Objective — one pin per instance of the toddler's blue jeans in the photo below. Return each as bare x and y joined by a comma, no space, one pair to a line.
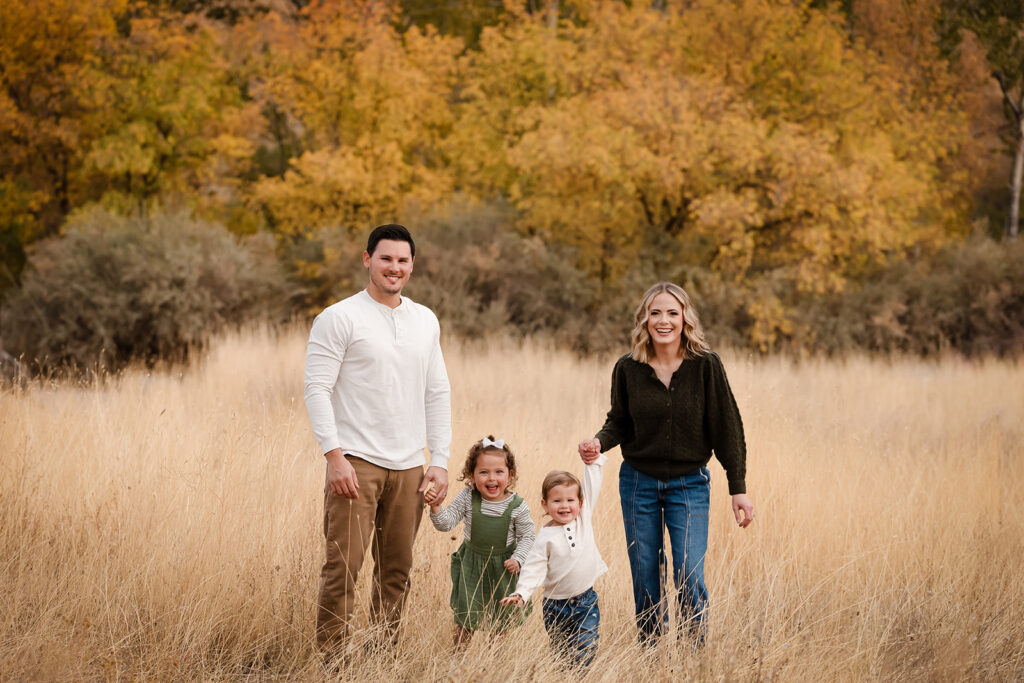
572,626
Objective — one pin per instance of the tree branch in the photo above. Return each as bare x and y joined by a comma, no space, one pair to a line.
1014,106
646,208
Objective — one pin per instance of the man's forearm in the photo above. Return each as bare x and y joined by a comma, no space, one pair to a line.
321,418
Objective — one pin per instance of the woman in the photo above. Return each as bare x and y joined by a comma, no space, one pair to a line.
671,406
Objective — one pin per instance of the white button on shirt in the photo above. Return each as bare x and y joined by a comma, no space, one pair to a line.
565,559
376,384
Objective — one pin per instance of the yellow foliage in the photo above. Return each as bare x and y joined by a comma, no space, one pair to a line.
167,116
767,140
347,186
372,107
754,127
44,45
769,322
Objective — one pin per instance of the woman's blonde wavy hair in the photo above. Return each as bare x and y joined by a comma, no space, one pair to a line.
693,334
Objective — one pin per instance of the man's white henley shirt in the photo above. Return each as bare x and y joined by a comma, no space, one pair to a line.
376,384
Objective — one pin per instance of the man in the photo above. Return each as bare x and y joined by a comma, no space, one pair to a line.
376,392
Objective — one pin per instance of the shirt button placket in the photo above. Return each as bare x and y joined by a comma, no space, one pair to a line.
397,319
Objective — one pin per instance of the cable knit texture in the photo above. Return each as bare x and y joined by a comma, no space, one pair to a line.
667,432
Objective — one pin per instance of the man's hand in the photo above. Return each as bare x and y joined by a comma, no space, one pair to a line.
590,450
740,502
516,600
341,476
512,566
438,476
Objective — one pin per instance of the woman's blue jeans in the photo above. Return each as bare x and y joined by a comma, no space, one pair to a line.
649,507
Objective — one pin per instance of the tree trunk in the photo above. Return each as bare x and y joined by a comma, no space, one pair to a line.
1013,221
553,14
1016,106
552,29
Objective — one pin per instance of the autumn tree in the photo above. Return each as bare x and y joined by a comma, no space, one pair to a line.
522,64
169,119
111,102
999,26
734,77
372,107
44,49
463,19
230,11
947,101
750,137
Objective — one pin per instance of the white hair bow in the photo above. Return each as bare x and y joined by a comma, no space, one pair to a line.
497,443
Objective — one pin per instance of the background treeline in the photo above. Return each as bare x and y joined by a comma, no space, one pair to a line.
823,176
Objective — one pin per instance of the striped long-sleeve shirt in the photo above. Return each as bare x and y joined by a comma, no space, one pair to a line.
520,528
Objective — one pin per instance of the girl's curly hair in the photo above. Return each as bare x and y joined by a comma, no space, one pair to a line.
477,449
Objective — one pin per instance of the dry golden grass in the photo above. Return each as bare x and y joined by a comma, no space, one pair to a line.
167,526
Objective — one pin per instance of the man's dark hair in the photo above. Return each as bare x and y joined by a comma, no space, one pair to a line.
391,231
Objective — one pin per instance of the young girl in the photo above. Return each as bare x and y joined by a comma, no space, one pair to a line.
565,560
498,537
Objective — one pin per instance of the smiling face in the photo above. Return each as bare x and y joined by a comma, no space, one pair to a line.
563,503
389,266
665,321
490,476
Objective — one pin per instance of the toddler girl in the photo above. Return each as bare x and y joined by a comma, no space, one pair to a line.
498,537
565,560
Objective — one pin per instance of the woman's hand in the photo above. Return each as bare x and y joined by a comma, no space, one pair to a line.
512,566
740,502
516,600
590,451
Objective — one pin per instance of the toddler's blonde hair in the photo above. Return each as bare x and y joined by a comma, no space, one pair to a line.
560,478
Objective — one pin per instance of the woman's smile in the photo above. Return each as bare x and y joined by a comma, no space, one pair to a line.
665,319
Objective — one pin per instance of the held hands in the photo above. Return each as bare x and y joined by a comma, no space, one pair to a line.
740,502
590,451
341,476
342,479
512,566
434,487
516,600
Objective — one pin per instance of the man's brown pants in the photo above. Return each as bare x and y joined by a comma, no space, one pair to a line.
389,509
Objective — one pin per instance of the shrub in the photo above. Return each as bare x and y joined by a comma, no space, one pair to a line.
967,298
482,276
114,290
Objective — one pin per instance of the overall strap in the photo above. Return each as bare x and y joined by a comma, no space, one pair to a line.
490,534
475,505
517,500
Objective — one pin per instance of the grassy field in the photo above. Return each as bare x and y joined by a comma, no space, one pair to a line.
167,525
